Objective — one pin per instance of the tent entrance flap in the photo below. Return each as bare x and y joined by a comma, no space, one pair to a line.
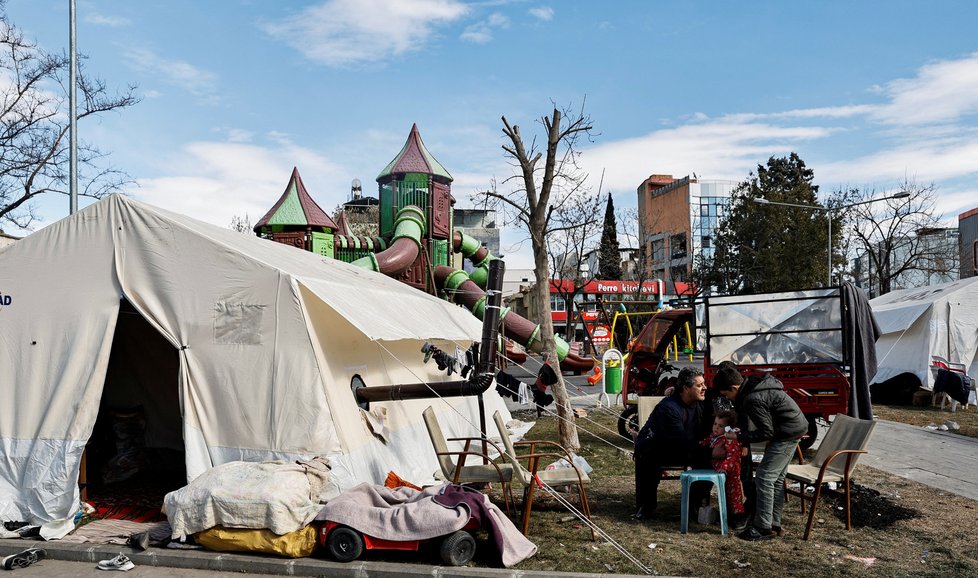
136,449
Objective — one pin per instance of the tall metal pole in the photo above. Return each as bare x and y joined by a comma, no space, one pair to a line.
72,115
828,213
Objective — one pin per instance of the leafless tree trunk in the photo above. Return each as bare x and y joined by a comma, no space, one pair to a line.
536,194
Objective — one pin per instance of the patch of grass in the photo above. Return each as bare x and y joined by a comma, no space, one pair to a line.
901,528
922,416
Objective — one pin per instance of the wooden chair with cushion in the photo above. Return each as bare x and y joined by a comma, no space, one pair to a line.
460,473
833,462
533,473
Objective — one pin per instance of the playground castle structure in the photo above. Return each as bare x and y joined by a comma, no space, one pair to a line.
416,243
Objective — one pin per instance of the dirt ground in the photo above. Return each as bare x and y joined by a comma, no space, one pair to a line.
900,527
967,419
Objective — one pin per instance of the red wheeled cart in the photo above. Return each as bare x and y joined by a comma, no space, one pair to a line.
346,544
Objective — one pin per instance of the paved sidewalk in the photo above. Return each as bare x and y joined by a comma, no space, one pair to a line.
938,459
223,564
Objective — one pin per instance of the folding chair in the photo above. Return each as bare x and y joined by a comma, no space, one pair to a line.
458,472
833,462
530,477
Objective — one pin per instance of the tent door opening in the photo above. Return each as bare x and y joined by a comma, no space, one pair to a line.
136,452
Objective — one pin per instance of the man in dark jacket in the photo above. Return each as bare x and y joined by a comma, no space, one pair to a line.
768,415
670,438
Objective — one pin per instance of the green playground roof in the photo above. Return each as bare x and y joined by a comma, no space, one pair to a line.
296,208
414,158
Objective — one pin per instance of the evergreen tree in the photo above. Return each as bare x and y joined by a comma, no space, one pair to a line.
609,255
764,247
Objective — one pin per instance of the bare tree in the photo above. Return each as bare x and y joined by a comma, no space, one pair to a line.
362,220
891,233
34,125
241,224
536,194
573,237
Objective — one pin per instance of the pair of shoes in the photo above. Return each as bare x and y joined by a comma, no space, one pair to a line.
139,541
754,534
738,523
22,559
120,562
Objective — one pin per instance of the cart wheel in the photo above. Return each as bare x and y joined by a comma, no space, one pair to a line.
345,544
806,442
628,425
458,548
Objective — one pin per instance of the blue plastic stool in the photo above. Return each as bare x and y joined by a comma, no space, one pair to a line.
719,480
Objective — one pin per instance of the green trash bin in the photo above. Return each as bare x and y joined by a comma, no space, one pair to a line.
612,378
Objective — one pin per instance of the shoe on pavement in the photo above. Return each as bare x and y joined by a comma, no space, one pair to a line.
754,534
120,562
22,559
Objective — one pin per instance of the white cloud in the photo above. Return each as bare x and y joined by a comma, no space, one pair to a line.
722,149
345,32
941,92
237,135
481,32
545,13
497,20
929,159
477,33
835,112
110,21
196,81
215,181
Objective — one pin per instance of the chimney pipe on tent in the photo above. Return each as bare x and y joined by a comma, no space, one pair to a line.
481,376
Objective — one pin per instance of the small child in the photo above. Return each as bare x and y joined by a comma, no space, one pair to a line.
726,456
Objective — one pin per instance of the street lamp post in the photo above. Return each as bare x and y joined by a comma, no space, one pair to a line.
828,214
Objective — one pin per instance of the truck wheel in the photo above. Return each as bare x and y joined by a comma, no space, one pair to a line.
806,443
628,425
345,544
458,548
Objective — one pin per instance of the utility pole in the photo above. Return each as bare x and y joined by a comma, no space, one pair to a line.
73,116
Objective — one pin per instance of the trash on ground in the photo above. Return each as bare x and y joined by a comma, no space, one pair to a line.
740,564
867,562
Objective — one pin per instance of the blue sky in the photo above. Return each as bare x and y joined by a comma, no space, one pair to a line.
236,93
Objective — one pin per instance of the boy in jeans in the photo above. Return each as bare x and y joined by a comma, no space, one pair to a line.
769,415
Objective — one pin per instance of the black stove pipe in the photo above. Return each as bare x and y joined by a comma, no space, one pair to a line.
481,377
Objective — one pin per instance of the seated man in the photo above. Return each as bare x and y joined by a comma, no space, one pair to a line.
670,438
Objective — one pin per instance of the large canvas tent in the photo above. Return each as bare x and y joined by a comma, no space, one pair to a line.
919,324
236,348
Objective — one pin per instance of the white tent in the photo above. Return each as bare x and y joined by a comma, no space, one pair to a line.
236,348
919,324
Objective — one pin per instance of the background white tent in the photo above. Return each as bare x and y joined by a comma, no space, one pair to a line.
918,324
237,348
